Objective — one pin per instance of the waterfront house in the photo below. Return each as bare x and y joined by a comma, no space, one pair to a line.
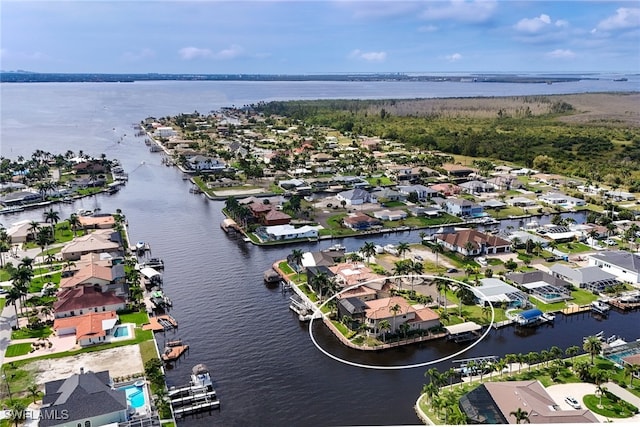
542,285
472,242
275,217
622,264
591,278
84,299
20,197
363,293
388,195
96,221
357,196
287,232
360,221
85,399
521,202
559,199
205,163
463,208
110,278
325,257
496,292
428,211
22,231
397,311
89,329
493,403
106,240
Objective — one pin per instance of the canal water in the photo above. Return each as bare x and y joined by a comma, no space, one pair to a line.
264,365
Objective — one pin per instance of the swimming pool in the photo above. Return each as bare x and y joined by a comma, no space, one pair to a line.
121,331
136,396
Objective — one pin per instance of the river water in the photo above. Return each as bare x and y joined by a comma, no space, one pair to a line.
265,368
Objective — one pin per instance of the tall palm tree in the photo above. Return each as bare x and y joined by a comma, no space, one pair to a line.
34,390
403,248
53,217
368,250
572,352
600,391
14,296
74,223
296,259
593,346
520,415
395,309
443,286
437,249
431,390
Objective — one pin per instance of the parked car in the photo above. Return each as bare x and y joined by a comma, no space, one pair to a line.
571,401
452,270
610,242
418,257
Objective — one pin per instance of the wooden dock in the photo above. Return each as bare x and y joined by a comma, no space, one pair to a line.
575,309
173,353
621,305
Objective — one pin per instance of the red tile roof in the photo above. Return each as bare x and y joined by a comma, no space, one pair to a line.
84,297
87,325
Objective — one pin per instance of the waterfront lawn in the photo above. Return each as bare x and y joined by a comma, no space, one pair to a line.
580,297
286,269
308,292
344,330
18,349
138,317
611,406
37,283
148,351
336,228
24,333
377,181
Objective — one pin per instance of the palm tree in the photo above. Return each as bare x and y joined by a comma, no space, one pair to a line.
17,411
600,391
572,352
13,296
532,358
34,390
593,346
431,390
368,250
510,359
403,248
53,217
520,415
443,286
437,249
395,309
630,369
74,223
384,327
296,259
465,296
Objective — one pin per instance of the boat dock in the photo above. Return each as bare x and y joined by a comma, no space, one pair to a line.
194,409
575,309
160,323
173,352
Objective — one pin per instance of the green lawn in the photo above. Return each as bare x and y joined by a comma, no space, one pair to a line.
2,303
286,269
148,351
380,180
580,297
139,318
18,349
23,333
609,406
573,247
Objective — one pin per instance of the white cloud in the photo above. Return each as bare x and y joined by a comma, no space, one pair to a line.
461,10
368,56
190,53
562,23
533,25
624,18
561,54
454,57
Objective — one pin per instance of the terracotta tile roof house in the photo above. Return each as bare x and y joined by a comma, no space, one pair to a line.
106,240
87,399
109,278
492,403
83,299
363,293
275,217
349,274
481,243
446,189
89,329
381,309
102,221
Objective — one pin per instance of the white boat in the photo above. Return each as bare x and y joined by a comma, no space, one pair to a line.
200,377
140,245
550,317
600,307
156,263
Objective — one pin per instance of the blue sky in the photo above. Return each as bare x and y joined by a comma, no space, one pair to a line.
330,36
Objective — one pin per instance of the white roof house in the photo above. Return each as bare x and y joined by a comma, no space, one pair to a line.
622,264
496,291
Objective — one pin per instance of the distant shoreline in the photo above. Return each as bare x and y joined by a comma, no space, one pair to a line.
33,77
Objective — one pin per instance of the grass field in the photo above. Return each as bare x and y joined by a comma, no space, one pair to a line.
18,349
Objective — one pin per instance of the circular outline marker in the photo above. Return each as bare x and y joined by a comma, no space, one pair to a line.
318,310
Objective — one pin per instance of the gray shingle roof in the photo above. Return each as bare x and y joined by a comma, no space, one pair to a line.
622,259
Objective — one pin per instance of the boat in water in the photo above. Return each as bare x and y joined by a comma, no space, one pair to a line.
200,377
600,307
156,263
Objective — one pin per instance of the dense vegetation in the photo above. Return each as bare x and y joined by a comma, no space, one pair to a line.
508,131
